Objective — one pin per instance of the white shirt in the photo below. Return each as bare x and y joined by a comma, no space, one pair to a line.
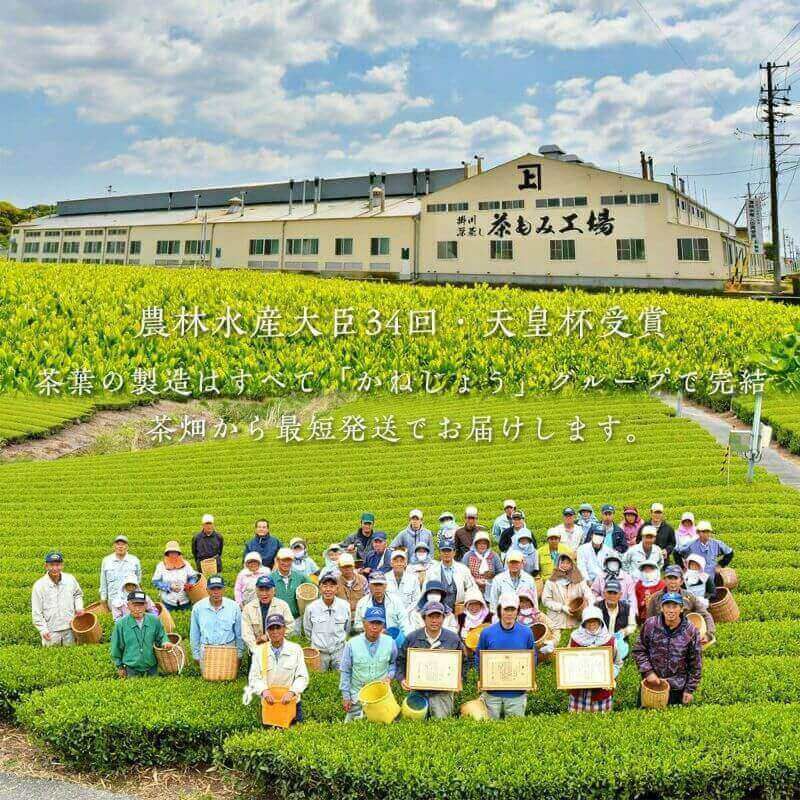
53,605
407,589
288,669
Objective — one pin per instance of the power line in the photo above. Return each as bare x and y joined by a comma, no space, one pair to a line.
788,47
791,31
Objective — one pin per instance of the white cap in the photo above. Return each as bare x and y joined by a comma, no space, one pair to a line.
553,533
704,525
131,579
297,540
649,530
395,554
514,555
208,518
481,535
687,515
253,556
591,612
470,511
445,515
285,552
657,507
508,600
346,560
507,503
415,512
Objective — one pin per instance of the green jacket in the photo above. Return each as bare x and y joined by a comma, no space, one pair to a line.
132,646
287,594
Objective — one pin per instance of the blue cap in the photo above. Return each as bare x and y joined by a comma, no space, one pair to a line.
447,544
433,608
672,597
673,571
375,614
607,507
216,582
613,585
276,621
379,536
137,597
53,555
568,511
265,582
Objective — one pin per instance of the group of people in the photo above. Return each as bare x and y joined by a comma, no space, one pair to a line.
378,597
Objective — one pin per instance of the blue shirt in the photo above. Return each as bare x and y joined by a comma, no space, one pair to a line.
222,626
711,551
496,637
346,665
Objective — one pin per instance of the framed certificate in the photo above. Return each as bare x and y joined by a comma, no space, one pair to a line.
584,668
434,670
507,670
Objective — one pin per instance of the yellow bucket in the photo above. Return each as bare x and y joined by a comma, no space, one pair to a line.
471,639
415,706
378,702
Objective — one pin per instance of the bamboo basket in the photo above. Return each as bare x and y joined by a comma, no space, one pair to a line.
723,607
172,661
278,715
576,606
208,566
712,640
313,659
730,580
475,709
543,633
86,628
100,607
655,698
197,591
220,663
166,618
305,594
699,623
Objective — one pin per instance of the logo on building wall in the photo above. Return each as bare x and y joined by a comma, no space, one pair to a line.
531,176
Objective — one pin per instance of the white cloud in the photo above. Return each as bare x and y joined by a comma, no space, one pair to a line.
393,74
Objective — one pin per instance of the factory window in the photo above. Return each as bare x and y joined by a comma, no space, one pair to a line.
630,250
72,233
446,250
264,247
31,247
436,207
379,246
489,205
614,200
693,250
513,204
302,247
548,202
50,247
167,247
501,249
458,206
343,247
95,232
136,248
562,249
71,247
640,199
115,247
568,202
12,246
117,231
51,234
32,234
92,247
196,247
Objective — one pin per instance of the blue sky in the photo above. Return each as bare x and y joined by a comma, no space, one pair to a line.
147,96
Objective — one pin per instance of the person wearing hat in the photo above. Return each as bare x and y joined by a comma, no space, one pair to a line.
686,533
351,585
510,536
614,535
483,563
645,550
593,553
380,558
673,580
370,656
286,582
512,579
326,622
592,632
433,592
586,520
455,577
503,523
669,648
171,575
278,662
618,614
631,525
564,586
466,533
401,582
303,563
413,534
421,559
394,613
332,559
523,542
244,590
447,529
433,636
255,613
359,544
550,551
216,620
56,599
207,543
115,568
715,552
697,581
134,637
650,582
571,533
476,612
665,534
612,569
505,634
263,543
119,605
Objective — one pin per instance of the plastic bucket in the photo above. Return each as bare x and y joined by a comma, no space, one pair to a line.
197,591
378,702
415,706
475,709
306,593
655,697
277,714
86,628
471,639
166,618
172,661
723,607
313,659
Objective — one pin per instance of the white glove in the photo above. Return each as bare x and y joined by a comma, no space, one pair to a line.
248,694
547,648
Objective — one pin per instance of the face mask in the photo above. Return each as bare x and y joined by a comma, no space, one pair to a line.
299,552
650,579
692,576
434,597
597,539
612,568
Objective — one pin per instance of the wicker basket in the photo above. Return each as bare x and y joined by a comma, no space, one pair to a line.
208,566
699,623
306,593
576,606
172,661
730,580
197,591
723,607
100,607
220,663
313,659
655,698
166,618
543,634
86,628
475,709
712,640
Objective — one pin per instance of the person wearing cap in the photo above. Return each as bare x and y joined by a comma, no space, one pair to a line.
380,558
512,579
421,559
697,581
455,577
612,569
550,551
466,533
645,550
673,579
618,614
586,519
115,568
394,613
286,582
564,586
483,563
505,634
56,599
669,648
207,543
447,529
216,620
134,637
401,582
351,585
510,536
665,534
413,534
170,577
359,544
650,582
255,613
592,554
503,522
263,543
592,632
685,533
433,636
303,563
332,559
523,542
631,525
244,590
370,656
571,533
326,622
278,662
432,592
614,535
715,552
119,605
